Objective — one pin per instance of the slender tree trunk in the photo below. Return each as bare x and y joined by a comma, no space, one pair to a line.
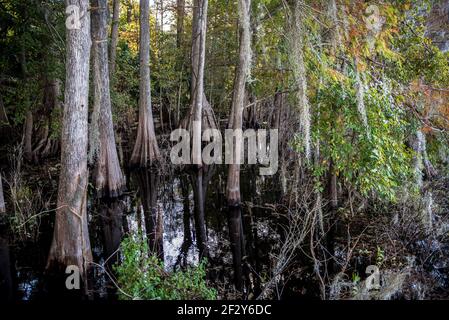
71,245
180,10
28,130
129,11
114,36
146,150
296,44
236,122
109,179
233,184
2,197
201,113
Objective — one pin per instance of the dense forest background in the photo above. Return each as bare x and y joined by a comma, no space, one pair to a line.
91,91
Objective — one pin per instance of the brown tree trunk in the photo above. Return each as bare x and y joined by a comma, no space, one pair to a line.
71,245
200,112
146,150
180,13
2,197
114,36
235,118
109,179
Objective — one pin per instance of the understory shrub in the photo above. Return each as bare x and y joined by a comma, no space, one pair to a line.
141,276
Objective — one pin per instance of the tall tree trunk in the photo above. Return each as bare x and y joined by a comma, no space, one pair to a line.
146,150
235,119
114,36
296,45
235,122
109,179
28,129
180,13
71,245
201,113
2,198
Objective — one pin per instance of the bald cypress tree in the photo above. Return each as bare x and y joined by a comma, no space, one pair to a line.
71,245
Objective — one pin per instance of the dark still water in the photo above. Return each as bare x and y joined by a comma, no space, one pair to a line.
166,209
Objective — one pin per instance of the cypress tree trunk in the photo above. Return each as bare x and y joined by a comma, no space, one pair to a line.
146,150
108,177
200,112
235,119
180,12
235,122
71,245
114,36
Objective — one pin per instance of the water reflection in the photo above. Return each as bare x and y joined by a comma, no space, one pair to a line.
6,280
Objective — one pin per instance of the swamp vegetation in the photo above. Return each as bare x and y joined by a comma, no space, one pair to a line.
354,93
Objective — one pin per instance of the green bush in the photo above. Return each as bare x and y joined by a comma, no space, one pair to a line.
141,275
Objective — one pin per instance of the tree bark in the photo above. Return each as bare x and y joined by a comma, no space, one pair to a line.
180,13
146,150
296,45
236,117
108,177
71,245
200,112
114,36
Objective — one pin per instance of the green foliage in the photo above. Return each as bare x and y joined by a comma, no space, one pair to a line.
141,275
373,158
